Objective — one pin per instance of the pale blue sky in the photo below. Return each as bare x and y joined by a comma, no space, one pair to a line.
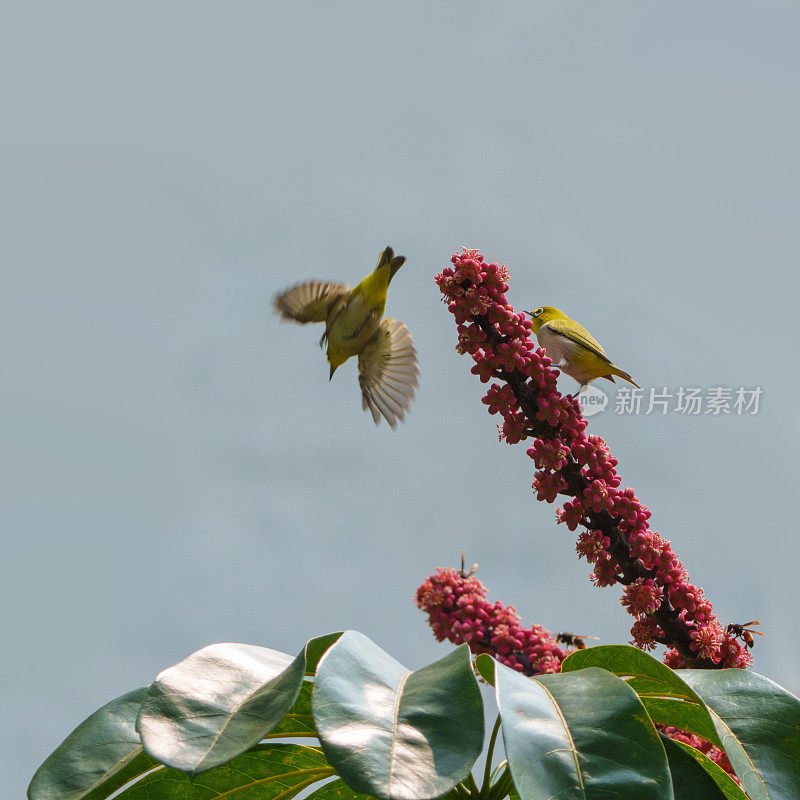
177,468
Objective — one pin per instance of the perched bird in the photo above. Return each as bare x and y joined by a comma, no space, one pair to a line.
572,349
355,326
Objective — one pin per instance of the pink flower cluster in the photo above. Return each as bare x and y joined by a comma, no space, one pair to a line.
458,611
617,539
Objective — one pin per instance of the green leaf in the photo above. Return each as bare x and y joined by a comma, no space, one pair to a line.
582,734
217,703
336,790
696,777
140,764
646,675
266,772
298,720
394,733
684,715
666,696
759,725
103,753
484,663
317,647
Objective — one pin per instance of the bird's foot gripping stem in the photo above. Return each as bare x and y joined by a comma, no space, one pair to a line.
574,395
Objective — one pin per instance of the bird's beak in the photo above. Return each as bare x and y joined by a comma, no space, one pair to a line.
529,313
333,369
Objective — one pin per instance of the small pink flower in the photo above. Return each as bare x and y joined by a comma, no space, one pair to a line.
549,409
468,266
470,338
733,653
685,596
673,659
549,454
642,596
605,571
592,544
511,354
706,641
500,398
548,485
646,634
484,367
571,514
513,429
596,494
476,301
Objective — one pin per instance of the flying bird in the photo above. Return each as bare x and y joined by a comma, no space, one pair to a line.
355,326
572,349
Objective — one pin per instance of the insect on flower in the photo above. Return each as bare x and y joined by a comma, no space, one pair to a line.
744,631
575,640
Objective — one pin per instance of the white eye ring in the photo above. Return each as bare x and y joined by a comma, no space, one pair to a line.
537,312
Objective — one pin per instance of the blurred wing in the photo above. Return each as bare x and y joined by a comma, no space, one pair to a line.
310,301
387,372
571,330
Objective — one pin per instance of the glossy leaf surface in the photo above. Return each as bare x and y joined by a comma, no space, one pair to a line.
582,735
394,733
697,777
217,703
666,696
759,725
98,757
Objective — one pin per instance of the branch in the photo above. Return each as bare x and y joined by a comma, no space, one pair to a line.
617,540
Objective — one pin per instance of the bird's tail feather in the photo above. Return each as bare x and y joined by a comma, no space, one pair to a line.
390,260
620,373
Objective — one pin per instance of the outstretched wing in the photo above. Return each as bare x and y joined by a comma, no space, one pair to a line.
575,332
387,372
310,301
